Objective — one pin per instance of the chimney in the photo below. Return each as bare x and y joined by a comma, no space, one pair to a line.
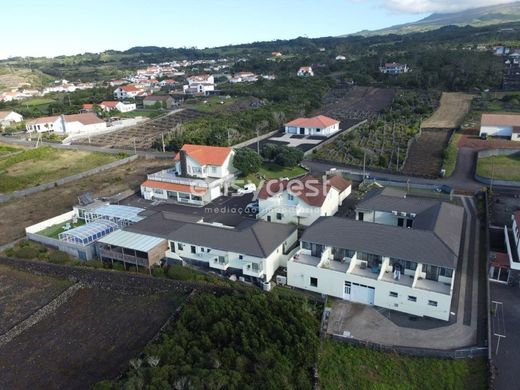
184,165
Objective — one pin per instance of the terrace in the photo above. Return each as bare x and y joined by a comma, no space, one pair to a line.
433,285
55,230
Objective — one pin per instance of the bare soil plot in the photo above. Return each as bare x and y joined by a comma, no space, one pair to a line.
453,108
20,213
22,293
426,153
89,338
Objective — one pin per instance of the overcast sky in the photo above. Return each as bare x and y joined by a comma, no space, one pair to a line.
55,27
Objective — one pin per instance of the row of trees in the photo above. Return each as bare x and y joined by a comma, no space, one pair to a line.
247,161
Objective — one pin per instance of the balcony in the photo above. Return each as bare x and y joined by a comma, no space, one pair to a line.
119,256
219,263
303,258
361,269
170,176
432,285
253,269
339,266
404,280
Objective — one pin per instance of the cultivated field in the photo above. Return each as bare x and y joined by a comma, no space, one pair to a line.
89,338
453,108
144,135
31,167
18,214
22,293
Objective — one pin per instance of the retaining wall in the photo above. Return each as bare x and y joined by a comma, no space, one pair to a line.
497,152
254,140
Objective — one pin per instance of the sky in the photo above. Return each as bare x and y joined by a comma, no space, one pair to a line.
56,27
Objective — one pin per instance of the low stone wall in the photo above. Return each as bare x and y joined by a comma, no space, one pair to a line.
64,180
254,140
333,137
497,152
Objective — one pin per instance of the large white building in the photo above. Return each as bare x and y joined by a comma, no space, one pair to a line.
7,118
67,124
302,200
383,259
320,125
199,84
501,125
199,176
130,91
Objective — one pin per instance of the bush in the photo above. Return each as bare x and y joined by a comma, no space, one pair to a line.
247,161
59,257
26,253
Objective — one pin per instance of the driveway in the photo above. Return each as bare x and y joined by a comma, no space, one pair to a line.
382,326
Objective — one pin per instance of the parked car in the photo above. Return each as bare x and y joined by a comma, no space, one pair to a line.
251,208
247,189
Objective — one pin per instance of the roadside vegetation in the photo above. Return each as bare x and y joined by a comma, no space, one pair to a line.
450,154
343,366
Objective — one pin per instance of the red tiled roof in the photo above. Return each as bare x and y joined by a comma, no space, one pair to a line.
88,106
320,121
504,119
313,191
130,88
109,103
88,118
174,187
305,69
206,155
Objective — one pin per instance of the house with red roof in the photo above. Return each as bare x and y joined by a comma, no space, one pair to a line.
67,124
200,174
501,125
302,200
321,126
129,91
305,71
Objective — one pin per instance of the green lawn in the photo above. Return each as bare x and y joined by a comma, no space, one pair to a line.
213,104
342,366
37,166
37,102
500,167
54,230
450,154
7,149
273,171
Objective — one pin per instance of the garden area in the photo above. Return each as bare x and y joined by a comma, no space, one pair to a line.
32,167
506,167
343,366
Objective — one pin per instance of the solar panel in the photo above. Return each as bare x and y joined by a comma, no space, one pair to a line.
85,199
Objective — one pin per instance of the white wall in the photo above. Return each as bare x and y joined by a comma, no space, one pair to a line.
502,131
326,131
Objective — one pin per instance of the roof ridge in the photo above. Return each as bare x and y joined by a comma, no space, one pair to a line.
258,240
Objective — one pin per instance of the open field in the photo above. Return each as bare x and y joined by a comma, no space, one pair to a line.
273,171
19,213
45,164
8,149
342,366
90,337
14,77
500,167
22,293
453,108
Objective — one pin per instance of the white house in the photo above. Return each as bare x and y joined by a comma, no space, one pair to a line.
340,58
253,249
511,261
200,175
305,71
394,68
130,91
110,105
68,124
199,84
302,201
316,126
7,118
501,125
407,267
243,77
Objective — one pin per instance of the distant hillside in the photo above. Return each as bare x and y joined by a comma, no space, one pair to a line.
477,17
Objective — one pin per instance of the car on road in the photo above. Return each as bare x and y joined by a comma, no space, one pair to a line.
247,189
251,208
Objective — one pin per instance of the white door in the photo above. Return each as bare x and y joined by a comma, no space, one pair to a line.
346,290
362,294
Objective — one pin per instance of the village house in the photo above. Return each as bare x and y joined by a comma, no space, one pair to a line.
302,201
130,91
340,58
165,101
501,125
200,175
503,266
7,118
394,68
199,85
320,125
67,124
305,71
243,77
382,259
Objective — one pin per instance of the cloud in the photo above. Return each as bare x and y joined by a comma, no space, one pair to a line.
441,6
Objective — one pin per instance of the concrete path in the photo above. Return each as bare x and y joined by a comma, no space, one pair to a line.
368,323
295,142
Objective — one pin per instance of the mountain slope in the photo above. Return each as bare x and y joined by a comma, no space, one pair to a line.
478,17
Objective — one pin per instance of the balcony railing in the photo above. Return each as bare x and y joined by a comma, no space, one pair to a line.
115,255
169,176
253,269
219,263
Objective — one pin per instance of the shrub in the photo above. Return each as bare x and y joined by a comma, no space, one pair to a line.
247,161
26,253
59,257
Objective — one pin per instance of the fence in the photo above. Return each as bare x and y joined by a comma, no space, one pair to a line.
497,152
256,139
65,180
116,125
333,138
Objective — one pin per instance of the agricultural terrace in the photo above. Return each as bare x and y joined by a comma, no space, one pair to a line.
453,108
505,167
23,293
383,141
491,102
32,167
342,366
214,104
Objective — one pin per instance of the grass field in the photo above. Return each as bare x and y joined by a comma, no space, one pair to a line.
342,366
8,149
273,171
37,102
213,104
37,166
54,230
500,167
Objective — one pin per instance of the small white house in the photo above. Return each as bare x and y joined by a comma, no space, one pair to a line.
501,125
199,84
243,77
302,201
305,71
67,124
7,118
130,91
111,105
320,125
340,58
394,68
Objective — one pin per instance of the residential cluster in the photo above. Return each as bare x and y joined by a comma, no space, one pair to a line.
57,86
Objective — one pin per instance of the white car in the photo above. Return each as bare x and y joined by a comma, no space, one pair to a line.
247,189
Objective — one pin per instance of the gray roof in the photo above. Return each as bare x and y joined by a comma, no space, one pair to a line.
130,240
251,237
424,246
390,199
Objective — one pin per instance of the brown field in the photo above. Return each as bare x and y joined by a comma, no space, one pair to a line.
470,139
20,213
89,338
453,107
22,293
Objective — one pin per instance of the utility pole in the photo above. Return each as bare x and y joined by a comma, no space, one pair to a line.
364,163
135,148
398,159
492,174
163,146
257,142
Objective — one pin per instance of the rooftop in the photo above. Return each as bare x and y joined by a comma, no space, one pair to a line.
320,122
206,155
503,119
130,240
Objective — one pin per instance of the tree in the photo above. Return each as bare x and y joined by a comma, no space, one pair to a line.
247,161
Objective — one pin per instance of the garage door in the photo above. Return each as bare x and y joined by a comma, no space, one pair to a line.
362,294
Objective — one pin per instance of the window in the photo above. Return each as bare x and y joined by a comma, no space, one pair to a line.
180,246
193,249
314,282
172,247
241,257
400,222
290,196
158,191
279,216
446,272
411,298
393,294
306,245
318,130
347,288
196,197
432,303
411,265
361,215
409,223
